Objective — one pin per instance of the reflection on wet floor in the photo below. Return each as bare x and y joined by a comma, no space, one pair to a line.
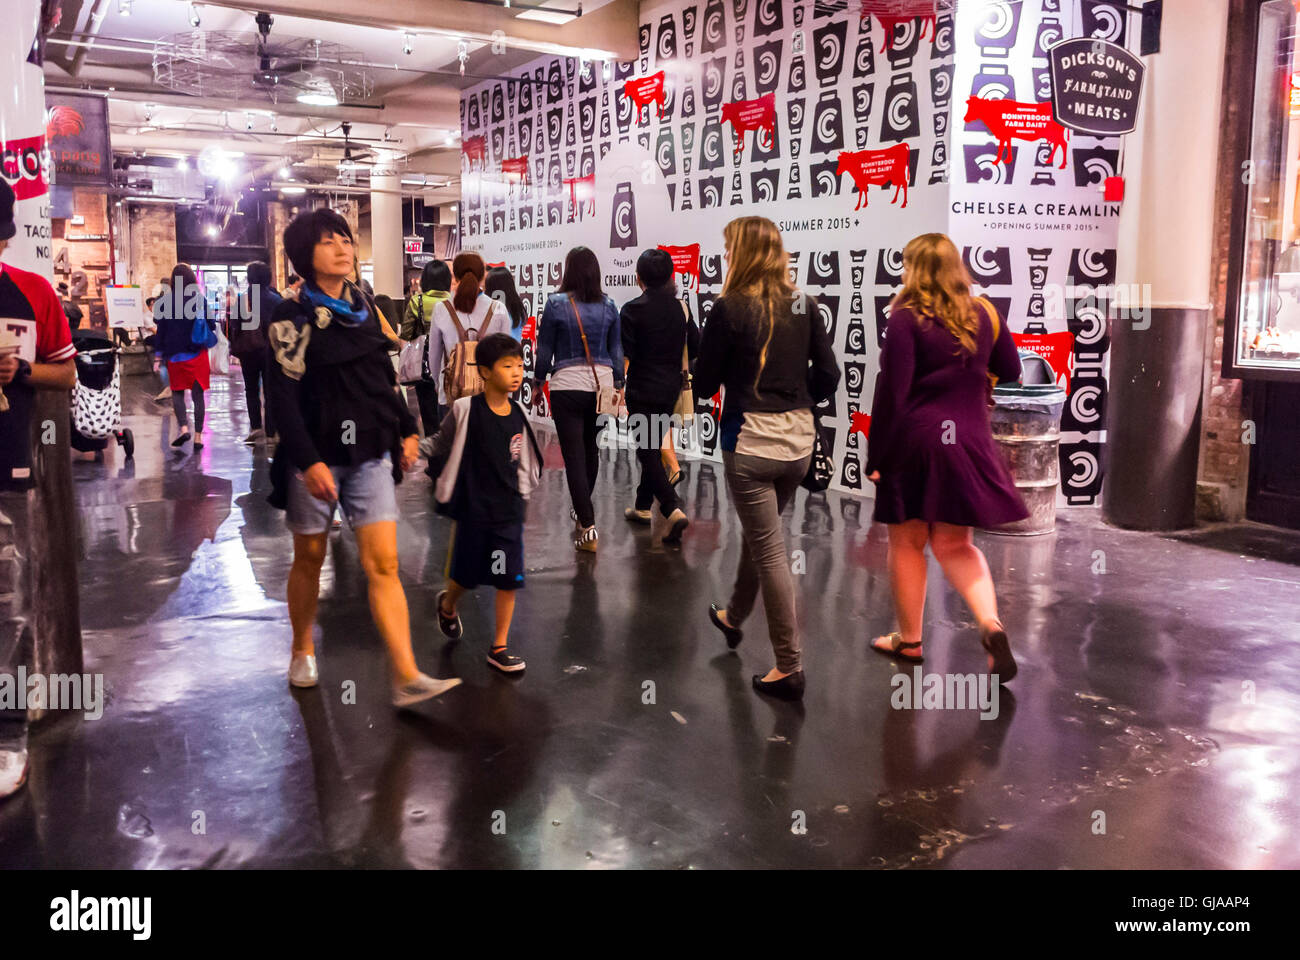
1159,693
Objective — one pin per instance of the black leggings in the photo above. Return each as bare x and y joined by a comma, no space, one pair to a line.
654,481
178,406
253,378
574,413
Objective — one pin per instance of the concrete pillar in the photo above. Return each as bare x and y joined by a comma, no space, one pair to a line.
22,130
1165,248
39,546
386,232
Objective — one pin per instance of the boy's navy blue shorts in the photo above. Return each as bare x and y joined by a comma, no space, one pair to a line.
487,554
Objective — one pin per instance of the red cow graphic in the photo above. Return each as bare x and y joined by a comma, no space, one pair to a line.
757,114
63,121
475,151
890,13
859,422
644,91
515,170
867,167
1009,120
1056,348
586,186
685,260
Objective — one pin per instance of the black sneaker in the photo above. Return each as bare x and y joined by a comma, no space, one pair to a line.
505,661
450,626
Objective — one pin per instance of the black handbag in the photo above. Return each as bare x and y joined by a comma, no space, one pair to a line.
821,468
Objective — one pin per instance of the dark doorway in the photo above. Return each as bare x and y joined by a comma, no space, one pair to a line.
1274,492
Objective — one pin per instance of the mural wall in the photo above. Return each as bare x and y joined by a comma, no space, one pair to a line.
836,125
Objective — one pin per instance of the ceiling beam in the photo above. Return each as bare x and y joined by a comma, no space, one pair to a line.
612,28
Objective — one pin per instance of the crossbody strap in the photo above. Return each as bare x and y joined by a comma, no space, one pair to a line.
461,336
686,342
585,349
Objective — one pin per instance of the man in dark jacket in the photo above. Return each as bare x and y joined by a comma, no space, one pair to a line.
249,345
655,329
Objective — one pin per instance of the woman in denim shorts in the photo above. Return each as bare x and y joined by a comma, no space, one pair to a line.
345,438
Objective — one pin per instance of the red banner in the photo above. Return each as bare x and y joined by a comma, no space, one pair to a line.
1056,348
644,91
685,260
880,167
758,114
1009,120
22,163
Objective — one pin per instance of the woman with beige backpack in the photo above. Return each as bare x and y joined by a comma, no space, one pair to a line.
456,325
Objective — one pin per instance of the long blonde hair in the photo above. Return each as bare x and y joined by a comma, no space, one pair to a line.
937,285
758,269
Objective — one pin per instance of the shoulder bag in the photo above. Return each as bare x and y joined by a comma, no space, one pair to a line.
821,467
410,362
607,401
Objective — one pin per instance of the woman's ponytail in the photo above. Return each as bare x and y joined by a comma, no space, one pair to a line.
468,269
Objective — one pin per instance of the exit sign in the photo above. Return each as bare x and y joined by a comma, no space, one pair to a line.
414,244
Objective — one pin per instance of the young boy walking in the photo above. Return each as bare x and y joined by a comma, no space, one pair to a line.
487,462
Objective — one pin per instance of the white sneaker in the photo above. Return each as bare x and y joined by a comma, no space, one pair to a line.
13,771
302,670
423,687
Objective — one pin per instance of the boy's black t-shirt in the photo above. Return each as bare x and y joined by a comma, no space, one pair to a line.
488,490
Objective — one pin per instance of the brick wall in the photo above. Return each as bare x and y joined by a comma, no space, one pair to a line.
152,243
87,256
1224,459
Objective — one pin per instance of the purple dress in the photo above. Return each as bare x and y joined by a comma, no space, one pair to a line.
930,436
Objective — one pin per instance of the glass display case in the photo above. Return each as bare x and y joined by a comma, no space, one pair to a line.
1262,332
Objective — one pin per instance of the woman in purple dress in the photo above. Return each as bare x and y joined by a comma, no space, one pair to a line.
931,453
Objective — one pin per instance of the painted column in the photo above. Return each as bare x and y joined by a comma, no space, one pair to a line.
1164,254
386,230
24,160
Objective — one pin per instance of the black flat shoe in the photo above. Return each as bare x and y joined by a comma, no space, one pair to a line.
181,440
733,634
999,648
787,688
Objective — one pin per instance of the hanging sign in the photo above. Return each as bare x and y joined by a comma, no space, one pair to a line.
414,244
1096,86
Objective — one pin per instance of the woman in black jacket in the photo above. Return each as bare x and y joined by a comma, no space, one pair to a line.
655,331
765,342
345,439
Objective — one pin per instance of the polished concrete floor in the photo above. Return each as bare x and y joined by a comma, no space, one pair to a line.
1159,695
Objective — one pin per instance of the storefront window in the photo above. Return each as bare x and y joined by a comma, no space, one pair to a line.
1267,335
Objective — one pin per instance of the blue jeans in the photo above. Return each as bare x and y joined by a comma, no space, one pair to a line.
366,495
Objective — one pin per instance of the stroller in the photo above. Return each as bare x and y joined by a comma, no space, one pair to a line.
97,396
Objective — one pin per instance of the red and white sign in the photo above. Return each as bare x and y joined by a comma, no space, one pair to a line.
643,91
1009,120
1056,348
890,13
879,167
474,150
685,260
414,244
758,114
582,191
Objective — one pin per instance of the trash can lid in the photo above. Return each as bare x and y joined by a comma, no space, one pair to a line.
1031,394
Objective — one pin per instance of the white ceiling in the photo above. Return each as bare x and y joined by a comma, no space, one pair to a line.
412,115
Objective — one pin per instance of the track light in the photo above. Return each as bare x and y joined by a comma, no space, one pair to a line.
284,173
194,16
124,7
408,44
248,121
462,54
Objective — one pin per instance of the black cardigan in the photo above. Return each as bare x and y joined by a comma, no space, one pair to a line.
654,329
334,393
800,370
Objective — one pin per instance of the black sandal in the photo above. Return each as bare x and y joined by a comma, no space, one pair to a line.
897,646
182,439
450,626
995,643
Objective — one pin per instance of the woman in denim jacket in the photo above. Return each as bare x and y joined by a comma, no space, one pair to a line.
561,356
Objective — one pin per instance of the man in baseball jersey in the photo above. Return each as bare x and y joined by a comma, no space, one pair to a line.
35,354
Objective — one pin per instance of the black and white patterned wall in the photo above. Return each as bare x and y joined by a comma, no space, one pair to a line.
805,112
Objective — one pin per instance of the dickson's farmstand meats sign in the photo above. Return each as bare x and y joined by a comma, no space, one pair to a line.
1096,86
